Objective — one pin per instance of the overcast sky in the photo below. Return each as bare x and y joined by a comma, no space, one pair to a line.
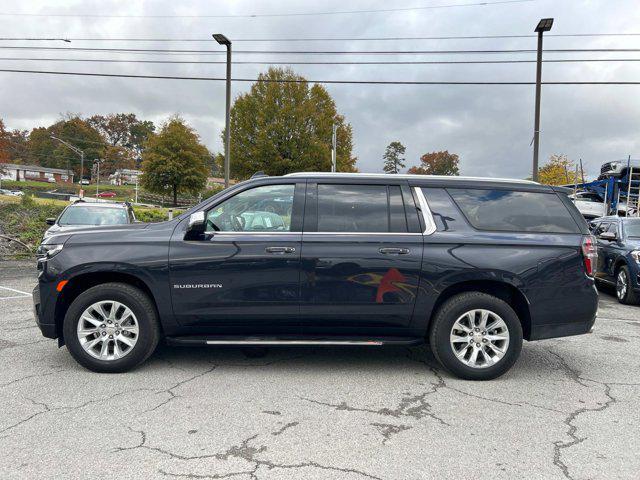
490,127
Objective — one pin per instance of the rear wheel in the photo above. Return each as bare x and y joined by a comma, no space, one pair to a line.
111,328
624,287
476,336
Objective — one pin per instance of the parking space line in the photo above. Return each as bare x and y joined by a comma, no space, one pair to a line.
14,290
17,296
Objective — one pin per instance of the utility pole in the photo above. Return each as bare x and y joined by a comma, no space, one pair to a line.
222,40
543,26
334,146
136,190
97,162
582,171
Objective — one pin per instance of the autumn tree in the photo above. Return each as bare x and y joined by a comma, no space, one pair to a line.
437,163
284,124
126,133
559,170
394,157
44,150
173,161
5,145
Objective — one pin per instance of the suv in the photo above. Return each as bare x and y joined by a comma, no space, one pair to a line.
618,168
81,214
472,266
619,256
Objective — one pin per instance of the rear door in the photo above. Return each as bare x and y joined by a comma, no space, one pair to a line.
361,255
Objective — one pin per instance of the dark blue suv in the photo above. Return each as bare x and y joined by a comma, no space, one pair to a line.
619,255
471,266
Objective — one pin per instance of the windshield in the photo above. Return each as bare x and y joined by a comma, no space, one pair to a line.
633,228
92,215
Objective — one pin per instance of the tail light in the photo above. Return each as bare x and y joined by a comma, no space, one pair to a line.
590,254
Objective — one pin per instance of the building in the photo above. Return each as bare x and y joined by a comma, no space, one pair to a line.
125,176
22,173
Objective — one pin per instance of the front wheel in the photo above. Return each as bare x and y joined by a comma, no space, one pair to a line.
476,336
111,328
624,287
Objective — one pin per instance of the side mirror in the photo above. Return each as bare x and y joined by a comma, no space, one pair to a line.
196,226
609,236
50,221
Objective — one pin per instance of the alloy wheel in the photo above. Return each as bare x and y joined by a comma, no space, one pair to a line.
108,330
622,284
479,338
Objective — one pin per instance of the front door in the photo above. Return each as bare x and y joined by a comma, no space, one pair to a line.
361,256
245,270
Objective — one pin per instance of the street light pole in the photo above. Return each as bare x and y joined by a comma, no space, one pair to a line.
75,150
543,26
334,146
222,40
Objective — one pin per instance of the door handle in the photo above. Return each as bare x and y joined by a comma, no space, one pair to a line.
280,250
393,251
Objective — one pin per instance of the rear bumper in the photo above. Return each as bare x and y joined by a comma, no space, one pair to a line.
540,332
48,329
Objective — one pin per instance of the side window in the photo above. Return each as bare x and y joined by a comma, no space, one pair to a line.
602,228
397,215
360,208
262,209
613,227
512,210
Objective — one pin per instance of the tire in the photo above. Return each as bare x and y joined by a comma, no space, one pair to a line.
627,296
488,365
141,329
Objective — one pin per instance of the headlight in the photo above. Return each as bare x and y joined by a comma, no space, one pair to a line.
48,251
636,255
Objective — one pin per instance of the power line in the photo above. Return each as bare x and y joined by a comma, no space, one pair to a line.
267,15
392,62
352,82
314,39
325,52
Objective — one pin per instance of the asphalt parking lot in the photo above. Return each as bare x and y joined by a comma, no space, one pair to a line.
568,409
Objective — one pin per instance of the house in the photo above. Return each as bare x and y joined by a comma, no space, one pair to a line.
22,173
125,176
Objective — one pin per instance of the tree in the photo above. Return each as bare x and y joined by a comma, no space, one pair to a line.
5,145
123,130
393,157
559,170
437,163
174,161
45,151
282,127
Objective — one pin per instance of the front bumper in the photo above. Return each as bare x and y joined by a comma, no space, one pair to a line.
48,329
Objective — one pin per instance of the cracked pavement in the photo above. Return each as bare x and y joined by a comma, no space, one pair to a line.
567,410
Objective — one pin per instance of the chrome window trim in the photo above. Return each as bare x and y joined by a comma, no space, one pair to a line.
252,232
360,233
430,224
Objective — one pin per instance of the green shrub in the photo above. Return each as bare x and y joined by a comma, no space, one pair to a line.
150,215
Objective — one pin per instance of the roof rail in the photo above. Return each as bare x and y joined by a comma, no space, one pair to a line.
409,176
259,174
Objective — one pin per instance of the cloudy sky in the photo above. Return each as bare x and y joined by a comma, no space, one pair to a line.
490,127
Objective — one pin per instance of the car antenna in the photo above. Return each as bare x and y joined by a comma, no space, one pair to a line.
259,174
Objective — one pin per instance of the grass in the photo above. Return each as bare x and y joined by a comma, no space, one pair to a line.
24,219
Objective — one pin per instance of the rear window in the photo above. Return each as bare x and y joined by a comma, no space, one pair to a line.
514,211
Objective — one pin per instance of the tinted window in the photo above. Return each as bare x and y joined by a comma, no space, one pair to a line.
92,215
353,208
397,216
266,208
508,210
632,228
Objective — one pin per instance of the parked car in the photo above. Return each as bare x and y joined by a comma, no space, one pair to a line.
471,266
84,181
618,168
12,193
81,214
106,194
589,204
619,256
